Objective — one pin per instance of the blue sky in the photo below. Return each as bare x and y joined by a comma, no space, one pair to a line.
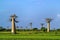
34,11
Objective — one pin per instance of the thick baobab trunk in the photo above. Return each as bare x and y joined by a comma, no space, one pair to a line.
48,20
48,27
13,26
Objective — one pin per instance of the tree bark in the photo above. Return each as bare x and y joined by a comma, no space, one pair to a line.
48,27
13,26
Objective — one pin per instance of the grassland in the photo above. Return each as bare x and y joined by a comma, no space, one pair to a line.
28,35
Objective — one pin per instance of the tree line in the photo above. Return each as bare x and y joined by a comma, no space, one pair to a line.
14,28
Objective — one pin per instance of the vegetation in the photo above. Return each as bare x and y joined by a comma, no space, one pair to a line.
43,29
25,35
35,34
29,34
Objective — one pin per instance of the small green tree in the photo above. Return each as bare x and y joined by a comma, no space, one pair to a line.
43,29
2,29
58,29
42,24
35,28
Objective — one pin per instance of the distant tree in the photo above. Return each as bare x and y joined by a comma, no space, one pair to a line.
26,27
7,27
43,29
35,28
58,29
42,24
2,29
17,27
31,26
21,27
54,29
48,20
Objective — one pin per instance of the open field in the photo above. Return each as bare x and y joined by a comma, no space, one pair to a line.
30,36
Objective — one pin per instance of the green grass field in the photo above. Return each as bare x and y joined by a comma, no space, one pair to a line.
30,36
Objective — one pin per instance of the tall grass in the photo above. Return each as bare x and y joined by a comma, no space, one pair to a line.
34,35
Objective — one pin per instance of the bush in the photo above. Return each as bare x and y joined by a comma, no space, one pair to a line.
43,29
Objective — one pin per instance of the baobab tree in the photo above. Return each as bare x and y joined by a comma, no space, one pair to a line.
48,20
42,24
42,28
26,27
13,20
7,27
31,26
21,27
17,27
